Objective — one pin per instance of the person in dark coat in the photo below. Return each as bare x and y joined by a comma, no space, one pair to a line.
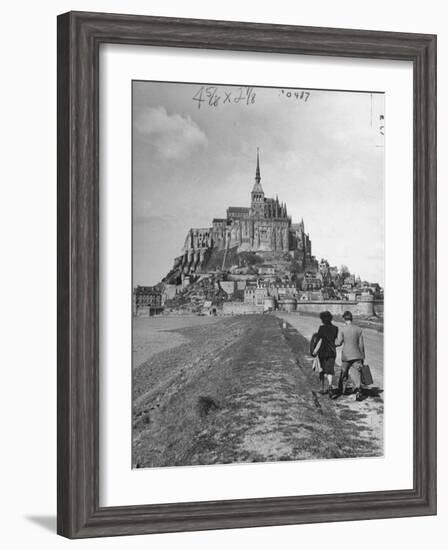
326,351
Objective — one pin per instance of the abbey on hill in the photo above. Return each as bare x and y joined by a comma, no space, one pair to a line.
263,227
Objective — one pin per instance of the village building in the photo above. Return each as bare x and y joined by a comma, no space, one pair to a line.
312,281
255,295
147,300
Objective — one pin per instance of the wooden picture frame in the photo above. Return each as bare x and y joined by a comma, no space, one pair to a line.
79,38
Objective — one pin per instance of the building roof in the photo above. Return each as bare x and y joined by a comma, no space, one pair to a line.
240,209
146,290
296,226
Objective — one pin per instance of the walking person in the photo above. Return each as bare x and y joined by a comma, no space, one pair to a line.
353,354
326,351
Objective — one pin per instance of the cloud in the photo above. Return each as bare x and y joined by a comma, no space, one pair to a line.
171,136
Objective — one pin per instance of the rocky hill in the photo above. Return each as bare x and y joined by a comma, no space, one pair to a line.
272,265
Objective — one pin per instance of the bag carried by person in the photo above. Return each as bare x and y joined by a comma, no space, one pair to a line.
313,342
366,375
316,365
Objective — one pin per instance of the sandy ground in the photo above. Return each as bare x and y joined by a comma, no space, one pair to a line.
152,335
238,389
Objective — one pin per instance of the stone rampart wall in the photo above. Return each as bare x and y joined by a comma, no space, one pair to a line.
240,308
367,308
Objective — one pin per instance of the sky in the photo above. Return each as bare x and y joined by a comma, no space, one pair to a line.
194,154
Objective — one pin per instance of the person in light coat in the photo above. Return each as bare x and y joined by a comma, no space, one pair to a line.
351,339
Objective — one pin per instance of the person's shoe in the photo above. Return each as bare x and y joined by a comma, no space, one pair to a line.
323,392
359,396
334,394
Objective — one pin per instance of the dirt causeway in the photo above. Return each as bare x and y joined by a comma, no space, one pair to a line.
238,389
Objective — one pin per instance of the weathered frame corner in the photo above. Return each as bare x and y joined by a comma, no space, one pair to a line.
80,35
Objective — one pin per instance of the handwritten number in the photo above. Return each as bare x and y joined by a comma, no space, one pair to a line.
296,94
211,96
250,96
198,97
240,97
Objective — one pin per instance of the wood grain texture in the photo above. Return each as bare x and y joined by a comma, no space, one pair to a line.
79,38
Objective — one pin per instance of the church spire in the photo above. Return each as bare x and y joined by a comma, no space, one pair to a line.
257,185
257,171
258,201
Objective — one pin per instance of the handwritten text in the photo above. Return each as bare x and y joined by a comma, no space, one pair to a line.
214,96
300,95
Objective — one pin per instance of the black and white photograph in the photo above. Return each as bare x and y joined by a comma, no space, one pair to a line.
258,274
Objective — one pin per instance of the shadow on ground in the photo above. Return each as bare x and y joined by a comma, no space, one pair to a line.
46,522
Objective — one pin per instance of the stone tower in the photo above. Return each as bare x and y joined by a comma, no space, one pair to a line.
257,203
